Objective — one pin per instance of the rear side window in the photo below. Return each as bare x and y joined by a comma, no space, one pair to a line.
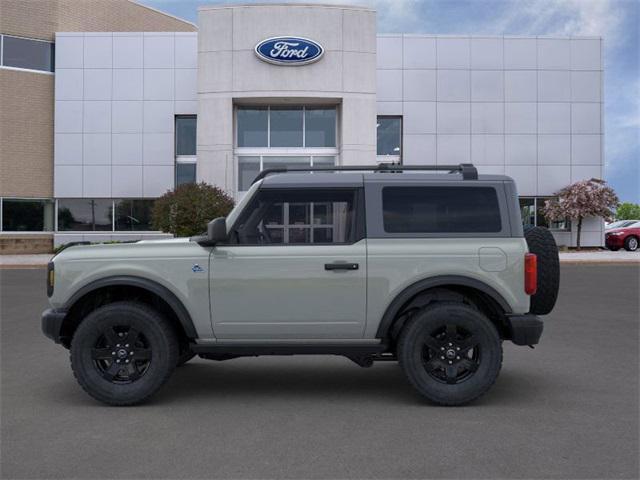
440,210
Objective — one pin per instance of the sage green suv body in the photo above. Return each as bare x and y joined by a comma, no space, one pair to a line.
336,263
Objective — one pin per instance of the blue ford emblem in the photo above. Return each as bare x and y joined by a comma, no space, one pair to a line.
289,50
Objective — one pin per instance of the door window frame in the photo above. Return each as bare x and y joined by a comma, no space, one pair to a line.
358,222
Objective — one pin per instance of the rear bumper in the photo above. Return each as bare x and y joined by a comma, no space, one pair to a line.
525,329
52,324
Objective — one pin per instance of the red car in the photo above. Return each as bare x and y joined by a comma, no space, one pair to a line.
627,237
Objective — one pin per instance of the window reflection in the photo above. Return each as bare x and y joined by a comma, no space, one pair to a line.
84,214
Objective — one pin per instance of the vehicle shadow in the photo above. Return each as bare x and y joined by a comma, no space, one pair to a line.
292,379
309,380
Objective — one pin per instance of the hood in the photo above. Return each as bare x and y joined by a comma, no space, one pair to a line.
139,249
166,240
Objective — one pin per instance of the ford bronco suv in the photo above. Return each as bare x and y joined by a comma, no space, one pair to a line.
432,270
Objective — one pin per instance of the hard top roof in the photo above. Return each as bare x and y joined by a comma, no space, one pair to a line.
356,179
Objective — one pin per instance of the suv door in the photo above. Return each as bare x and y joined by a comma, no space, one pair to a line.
294,268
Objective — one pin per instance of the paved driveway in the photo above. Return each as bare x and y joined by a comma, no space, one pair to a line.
568,409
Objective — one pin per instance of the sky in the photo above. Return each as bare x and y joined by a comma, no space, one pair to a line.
617,21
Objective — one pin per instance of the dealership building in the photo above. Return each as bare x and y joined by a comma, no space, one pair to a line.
120,103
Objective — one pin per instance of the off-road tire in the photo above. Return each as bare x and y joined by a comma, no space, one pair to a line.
159,344
411,352
541,242
630,245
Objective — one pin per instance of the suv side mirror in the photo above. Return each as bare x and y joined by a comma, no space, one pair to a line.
217,230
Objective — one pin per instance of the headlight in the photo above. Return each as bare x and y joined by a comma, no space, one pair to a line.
51,277
616,233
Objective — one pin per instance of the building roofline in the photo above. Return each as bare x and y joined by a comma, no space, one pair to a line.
480,36
136,2
286,4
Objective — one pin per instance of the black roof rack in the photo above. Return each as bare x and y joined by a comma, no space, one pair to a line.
468,171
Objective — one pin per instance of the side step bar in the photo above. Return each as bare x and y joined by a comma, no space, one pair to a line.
363,355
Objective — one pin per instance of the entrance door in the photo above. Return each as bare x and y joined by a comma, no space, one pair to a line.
295,268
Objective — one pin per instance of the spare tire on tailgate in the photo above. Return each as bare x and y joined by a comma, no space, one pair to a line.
542,243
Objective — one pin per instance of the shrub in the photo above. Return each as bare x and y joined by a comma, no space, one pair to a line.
186,210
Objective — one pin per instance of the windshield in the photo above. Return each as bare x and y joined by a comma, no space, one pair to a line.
622,224
233,215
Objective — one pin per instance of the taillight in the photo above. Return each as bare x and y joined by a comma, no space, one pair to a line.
530,273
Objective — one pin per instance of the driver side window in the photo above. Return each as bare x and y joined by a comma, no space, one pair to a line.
298,217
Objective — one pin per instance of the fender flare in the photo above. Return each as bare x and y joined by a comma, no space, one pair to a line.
443,280
151,286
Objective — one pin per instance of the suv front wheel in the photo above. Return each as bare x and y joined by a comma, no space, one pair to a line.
450,352
123,352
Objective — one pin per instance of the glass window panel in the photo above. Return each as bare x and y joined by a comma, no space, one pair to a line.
528,212
248,169
300,235
84,214
252,126
22,215
274,215
322,235
285,125
185,173
279,162
293,209
275,235
320,127
186,135
322,161
389,133
544,222
440,210
25,53
133,215
322,213
299,213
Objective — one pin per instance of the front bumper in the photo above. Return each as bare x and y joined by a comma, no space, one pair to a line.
614,241
52,324
525,329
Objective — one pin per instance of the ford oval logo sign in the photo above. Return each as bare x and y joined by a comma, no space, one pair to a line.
289,51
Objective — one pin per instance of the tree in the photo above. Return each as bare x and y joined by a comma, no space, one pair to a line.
186,210
628,211
586,198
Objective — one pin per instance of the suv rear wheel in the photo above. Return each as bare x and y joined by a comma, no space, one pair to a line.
123,352
450,352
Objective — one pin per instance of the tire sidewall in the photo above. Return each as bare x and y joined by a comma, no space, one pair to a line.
148,323
410,348
628,244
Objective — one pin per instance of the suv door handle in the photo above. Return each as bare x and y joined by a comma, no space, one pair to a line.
341,266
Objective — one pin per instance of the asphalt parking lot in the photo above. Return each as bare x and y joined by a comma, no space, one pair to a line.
568,409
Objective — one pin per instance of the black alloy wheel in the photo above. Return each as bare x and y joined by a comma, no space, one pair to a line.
451,354
122,354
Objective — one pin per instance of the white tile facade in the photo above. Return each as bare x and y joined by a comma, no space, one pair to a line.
117,95
531,103
527,107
